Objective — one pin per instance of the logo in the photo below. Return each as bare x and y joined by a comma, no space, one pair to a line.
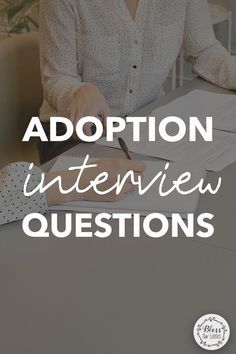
211,332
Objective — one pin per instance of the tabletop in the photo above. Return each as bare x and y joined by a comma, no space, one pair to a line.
119,296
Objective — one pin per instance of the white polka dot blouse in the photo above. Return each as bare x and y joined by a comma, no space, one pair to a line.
128,60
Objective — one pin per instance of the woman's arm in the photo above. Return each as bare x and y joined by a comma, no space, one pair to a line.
14,205
59,54
60,65
113,169
210,59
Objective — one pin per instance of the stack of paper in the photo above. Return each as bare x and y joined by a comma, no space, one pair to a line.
151,201
201,104
214,155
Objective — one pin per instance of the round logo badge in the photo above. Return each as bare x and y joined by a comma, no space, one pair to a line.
211,332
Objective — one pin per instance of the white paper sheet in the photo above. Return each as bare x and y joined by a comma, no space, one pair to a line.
201,104
145,204
214,155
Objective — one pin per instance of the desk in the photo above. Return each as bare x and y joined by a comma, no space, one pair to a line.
118,296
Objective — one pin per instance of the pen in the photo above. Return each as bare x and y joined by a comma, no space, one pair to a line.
124,148
93,129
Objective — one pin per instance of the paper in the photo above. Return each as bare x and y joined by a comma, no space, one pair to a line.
214,155
201,104
145,204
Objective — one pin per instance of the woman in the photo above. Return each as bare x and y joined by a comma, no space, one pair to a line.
102,58
14,205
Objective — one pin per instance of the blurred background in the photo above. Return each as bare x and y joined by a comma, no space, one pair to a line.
21,91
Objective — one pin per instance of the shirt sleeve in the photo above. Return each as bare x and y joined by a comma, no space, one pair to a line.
14,205
210,59
59,54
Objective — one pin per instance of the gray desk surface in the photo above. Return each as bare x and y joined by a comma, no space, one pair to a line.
118,296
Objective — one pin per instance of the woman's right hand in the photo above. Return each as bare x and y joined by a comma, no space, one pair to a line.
112,167
88,101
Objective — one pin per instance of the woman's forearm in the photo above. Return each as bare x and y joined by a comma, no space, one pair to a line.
58,54
209,58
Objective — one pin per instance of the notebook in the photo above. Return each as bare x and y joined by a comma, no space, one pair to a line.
151,202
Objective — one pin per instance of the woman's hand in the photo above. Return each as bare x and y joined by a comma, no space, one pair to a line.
88,101
112,167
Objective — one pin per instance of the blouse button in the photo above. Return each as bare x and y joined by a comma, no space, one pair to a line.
131,91
134,66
